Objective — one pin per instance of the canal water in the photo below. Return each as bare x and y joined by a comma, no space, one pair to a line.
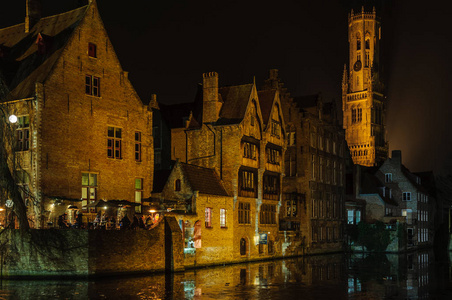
415,275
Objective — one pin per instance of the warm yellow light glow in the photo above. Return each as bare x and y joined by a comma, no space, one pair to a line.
12,119
105,207
2,209
152,211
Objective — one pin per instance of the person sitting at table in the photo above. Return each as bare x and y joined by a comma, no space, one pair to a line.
125,223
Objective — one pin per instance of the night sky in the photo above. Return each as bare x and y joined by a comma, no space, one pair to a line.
167,45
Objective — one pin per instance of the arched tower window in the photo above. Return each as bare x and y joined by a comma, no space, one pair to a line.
353,115
242,246
359,114
358,43
367,43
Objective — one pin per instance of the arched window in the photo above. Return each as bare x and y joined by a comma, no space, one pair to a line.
358,43
197,234
359,114
177,185
354,153
365,152
353,115
242,246
367,43
360,153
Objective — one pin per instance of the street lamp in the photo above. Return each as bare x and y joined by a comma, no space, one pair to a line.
12,119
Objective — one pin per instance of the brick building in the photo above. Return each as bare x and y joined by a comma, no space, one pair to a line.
363,92
196,197
314,182
239,132
83,134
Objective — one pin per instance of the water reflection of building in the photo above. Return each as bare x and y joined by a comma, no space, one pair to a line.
403,276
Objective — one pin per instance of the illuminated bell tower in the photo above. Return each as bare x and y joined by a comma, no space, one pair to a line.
363,98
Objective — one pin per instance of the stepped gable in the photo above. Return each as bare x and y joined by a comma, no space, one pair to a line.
204,180
22,64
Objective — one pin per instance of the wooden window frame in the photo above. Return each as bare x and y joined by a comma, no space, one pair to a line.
208,217
23,133
244,212
92,50
92,85
114,142
137,146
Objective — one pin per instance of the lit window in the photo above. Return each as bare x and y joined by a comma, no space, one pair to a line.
350,217
114,143
92,85
23,133
92,50
89,188
208,221
137,146
222,217
406,196
138,193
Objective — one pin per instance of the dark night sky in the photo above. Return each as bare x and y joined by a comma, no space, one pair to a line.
167,45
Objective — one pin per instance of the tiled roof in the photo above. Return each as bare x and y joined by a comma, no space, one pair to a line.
235,100
21,65
204,180
266,99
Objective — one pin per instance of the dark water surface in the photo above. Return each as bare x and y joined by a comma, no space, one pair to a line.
409,276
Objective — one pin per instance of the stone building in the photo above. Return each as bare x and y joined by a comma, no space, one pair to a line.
196,197
398,198
415,204
314,181
363,93
239,132
83,134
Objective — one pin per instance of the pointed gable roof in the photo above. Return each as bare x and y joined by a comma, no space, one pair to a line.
235,102
23,65
204,180
266,101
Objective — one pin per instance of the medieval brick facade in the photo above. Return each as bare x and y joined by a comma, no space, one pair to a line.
90,135
314,182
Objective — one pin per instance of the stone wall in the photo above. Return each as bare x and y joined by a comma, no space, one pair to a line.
72,253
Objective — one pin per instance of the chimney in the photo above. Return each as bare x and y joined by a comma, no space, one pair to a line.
397,156
33,13
211,104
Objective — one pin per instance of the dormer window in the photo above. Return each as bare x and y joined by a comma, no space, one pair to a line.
92,50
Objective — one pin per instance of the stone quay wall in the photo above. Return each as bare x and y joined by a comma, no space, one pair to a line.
90,253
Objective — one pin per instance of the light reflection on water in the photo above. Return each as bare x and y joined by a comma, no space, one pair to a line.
408,276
